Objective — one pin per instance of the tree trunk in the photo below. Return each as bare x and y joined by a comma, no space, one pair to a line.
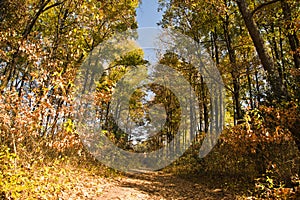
234,73
250,87
293,41
292,37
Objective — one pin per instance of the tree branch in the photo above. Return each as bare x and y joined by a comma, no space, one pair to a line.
263,5
53,5
42,9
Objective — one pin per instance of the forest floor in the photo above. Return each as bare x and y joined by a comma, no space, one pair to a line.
149,185
72,178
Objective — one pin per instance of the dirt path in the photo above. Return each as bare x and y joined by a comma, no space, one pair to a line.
158,186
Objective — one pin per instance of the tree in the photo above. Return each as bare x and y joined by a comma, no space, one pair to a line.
278,89
43,44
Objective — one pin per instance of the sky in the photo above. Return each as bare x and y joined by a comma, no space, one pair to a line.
147,14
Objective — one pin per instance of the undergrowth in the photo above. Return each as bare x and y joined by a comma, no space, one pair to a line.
45,178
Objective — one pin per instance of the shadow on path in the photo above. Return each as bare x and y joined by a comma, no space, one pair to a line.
159,185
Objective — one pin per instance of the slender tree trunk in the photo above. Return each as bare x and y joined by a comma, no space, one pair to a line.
276,53
250,87
292,37
293,41
258,95
282,58
234,72
205,107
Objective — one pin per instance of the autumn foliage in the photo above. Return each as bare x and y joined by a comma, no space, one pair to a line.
254,44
